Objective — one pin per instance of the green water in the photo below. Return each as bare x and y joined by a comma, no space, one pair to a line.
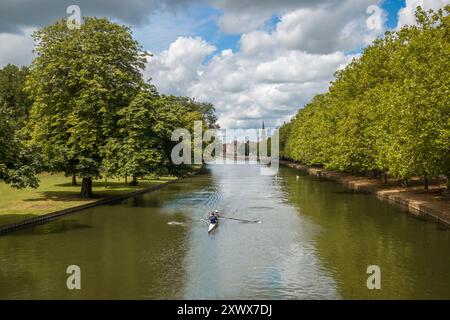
316,240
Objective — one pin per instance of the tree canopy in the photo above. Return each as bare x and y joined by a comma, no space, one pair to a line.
388,110
79,81
18,162
15,100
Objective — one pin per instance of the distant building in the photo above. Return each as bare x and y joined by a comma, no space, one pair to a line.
248,148
230,149
263,132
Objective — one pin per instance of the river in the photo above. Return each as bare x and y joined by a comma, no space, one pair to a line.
315,240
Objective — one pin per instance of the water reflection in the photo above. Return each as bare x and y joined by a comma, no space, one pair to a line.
358,230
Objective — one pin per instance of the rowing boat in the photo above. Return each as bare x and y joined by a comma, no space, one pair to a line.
212,226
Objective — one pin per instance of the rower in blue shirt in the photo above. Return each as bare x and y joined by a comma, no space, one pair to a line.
214,217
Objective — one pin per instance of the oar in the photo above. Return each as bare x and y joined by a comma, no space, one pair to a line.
243,220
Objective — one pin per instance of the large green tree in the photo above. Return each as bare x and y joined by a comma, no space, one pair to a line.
135,149
142,144
79,81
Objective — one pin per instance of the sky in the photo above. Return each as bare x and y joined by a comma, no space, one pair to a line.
255,60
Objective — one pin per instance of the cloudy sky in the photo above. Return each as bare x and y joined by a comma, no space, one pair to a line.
254,59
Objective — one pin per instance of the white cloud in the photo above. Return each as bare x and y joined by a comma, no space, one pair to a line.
273,73
175,69
247,15
327,29
239,23
246,90
300,67
16,48
406,15
257,43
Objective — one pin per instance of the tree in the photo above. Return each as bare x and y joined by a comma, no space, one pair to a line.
79,82
180,112
205,109
12,82
135,150
18,163
142,144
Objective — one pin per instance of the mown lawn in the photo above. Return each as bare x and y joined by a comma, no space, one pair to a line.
56,193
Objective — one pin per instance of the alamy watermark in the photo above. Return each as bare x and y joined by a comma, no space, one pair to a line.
74,280
374,280
74,20
375,21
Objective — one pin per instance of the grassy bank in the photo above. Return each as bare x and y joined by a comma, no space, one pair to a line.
56,193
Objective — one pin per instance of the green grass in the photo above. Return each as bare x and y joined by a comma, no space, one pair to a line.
56,193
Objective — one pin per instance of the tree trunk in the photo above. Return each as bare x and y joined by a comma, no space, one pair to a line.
374,173
134,182
86,188
74,180
385,177
126,179
404,183
426,183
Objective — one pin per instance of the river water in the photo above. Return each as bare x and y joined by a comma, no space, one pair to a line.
315,240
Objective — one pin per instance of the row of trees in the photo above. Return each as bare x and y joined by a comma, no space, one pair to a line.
387,111
83,108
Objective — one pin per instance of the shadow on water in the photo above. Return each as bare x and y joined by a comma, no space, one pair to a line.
353,192
10,218
316,179
184,191
54,226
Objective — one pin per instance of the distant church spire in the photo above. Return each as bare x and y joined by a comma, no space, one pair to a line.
263,133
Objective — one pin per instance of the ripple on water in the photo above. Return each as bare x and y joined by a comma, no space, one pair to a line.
175,223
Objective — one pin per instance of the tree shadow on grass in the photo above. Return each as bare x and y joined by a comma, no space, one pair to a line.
65,196
113,188
96,184
116,184
99,193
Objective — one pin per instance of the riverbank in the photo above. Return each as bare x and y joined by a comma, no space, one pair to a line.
431,204
56,196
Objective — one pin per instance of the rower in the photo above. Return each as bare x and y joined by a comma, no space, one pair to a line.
214,216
